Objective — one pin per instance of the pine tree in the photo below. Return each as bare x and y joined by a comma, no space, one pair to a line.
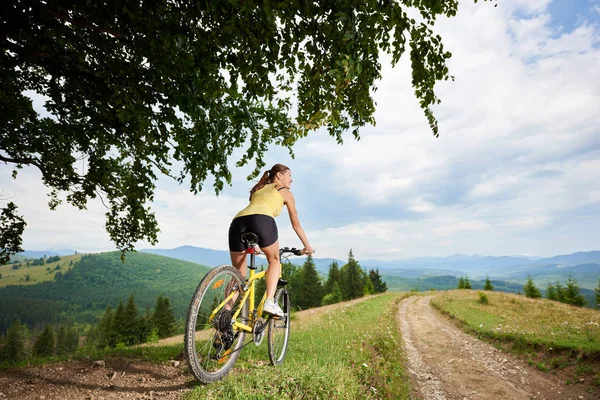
61,341
461,283
107,335
332,278
334,297
2,347
260,288
488,284
598,295
145,326
310,289
132,323
72,340
290,273
368,288
572,293
163,318
551,292
92,338
531,290
15,342
44,344
352,279
560,292
120,323
378,283
467,282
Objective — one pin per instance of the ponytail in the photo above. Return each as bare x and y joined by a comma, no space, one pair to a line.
261,183
268,177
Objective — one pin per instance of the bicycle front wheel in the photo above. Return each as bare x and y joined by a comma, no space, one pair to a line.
212,345
279,329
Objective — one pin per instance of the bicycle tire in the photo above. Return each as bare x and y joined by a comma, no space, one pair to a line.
211,347
279,329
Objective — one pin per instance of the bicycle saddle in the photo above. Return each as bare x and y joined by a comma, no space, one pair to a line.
250,239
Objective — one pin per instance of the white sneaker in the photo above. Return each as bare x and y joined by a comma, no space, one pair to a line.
272,308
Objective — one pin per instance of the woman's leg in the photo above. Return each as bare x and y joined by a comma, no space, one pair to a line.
238,260
274,270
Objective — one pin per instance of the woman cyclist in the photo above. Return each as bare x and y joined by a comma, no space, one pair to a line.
267,198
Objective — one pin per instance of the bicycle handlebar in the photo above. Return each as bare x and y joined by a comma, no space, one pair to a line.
293,250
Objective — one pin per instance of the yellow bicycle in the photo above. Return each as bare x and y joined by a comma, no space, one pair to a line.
222,312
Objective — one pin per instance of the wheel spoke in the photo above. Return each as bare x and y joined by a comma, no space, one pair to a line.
279,329
211,344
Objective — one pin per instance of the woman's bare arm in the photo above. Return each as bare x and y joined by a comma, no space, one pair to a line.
290,202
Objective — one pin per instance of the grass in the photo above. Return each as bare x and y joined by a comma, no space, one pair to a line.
549,335
347,353
37,273
539,323
153,354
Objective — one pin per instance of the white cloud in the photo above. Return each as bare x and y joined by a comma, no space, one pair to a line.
516,169
201,220
65,228
524,102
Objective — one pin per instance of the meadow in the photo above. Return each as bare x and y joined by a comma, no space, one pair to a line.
349,352
36,273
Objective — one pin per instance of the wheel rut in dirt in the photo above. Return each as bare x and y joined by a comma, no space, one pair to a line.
446,363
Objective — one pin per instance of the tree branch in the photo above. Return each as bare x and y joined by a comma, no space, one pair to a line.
83,24
27,161
36,163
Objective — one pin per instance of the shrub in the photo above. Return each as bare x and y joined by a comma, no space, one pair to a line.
483,299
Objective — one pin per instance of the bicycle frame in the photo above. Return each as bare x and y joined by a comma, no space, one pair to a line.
248,291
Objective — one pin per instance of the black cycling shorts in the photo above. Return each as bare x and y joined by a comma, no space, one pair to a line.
262,225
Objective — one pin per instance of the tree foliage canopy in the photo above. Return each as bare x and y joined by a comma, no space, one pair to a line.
135,89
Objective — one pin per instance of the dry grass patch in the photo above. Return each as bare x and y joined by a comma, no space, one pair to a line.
539,322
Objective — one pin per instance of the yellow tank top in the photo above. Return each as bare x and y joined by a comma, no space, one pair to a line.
266,201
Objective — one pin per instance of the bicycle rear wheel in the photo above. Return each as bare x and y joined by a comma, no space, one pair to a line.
279,329
212,345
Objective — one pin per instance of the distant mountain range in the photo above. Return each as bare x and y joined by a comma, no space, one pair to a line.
583,266
47,253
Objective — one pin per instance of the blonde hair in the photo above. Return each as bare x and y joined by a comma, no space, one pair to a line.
268,177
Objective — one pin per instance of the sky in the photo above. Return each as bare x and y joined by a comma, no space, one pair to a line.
515,170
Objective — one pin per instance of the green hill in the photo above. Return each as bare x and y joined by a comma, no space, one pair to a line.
82,292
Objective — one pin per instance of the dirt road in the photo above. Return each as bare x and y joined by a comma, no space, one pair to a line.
446,363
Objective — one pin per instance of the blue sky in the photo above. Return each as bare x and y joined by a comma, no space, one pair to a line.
516,169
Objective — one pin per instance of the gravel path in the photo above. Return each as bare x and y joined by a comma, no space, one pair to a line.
446,363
